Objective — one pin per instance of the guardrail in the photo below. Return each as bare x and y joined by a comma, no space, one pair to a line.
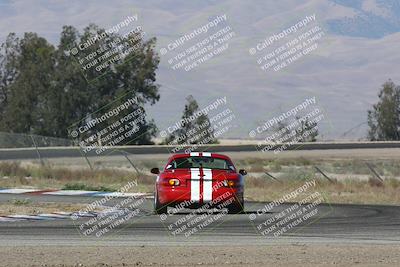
60,152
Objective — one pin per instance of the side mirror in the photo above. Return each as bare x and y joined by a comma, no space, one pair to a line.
155,171
243,172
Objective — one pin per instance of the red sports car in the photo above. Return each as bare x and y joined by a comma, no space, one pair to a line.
199,180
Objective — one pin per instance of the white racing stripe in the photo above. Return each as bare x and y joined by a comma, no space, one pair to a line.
207,185
195,181
195,184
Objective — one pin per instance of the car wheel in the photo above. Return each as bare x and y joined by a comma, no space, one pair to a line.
236,208
158,208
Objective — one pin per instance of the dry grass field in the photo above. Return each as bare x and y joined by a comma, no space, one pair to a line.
351,180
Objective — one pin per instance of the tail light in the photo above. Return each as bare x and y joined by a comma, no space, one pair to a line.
229,183
173,182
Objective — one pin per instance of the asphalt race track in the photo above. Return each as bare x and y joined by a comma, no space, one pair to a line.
334,223
75,152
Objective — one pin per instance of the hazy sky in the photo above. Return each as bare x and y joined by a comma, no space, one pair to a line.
344,73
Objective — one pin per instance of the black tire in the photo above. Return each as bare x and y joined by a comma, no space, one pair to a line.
236,208
158,208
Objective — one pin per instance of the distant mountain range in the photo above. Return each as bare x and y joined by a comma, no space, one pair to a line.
373,19
357,54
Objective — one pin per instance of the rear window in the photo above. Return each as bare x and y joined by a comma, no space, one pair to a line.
197,162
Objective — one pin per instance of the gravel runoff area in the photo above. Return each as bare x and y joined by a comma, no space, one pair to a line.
265,255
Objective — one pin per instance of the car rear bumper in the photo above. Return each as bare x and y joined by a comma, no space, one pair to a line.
173,196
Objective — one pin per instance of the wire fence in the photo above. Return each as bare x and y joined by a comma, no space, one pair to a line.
15,140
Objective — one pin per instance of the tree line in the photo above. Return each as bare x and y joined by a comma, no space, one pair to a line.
43,91
384,117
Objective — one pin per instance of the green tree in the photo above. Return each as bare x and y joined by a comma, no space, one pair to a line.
307,131
43,91
71,95
384,118
195,127
132,76
281,127
28,92
9,52
298,130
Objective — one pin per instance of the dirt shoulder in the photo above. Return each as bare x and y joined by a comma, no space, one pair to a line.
268,255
